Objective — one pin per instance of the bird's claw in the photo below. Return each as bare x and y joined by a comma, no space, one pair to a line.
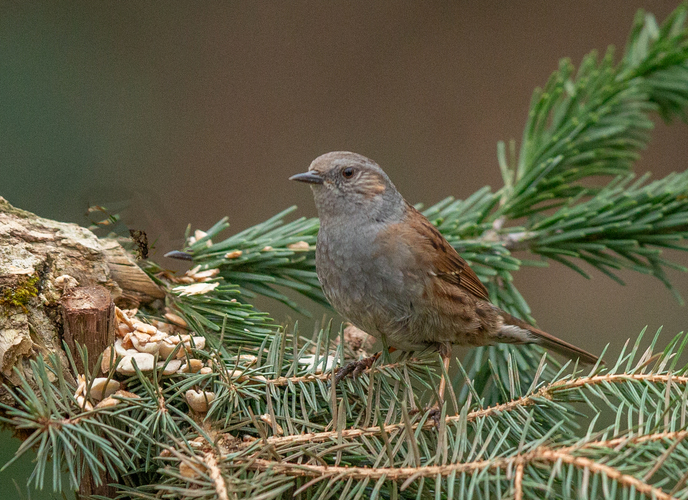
435,414
355,368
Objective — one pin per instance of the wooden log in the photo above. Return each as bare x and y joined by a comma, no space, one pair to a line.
137,287
89,489
89,320
88,314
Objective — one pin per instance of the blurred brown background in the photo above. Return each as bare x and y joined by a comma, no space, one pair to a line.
176,112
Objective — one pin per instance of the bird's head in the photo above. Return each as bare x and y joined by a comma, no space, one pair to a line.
349,184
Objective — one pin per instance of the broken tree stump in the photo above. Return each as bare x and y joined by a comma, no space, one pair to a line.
89,320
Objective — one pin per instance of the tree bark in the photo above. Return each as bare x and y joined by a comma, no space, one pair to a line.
89,321
41,263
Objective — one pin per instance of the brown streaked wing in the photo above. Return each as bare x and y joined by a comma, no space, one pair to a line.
451,267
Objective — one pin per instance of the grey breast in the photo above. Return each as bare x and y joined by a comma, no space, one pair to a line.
370,288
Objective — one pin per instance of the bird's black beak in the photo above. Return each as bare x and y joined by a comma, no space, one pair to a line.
309,177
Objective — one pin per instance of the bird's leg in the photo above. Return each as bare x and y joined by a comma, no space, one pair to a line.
445,352
355,368
436,411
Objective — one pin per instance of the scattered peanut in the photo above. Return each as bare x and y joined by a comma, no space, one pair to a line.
193,366
268,420
299,245
100,390
171,367
175,319
145,328
144,361
199,400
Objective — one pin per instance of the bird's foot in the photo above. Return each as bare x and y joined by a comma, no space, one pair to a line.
355,368
435,414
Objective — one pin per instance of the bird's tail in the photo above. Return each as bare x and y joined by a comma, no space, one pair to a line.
519,332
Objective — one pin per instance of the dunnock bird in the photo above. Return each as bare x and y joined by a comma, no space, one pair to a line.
385,268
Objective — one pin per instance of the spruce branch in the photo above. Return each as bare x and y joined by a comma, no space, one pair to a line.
535,433
264,256
491,469
64,433
563,390
596,121
541,457
624,226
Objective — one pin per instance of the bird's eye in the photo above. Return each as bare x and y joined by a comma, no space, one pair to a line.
348,173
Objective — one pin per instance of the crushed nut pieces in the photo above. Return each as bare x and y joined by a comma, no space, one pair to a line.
139,342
